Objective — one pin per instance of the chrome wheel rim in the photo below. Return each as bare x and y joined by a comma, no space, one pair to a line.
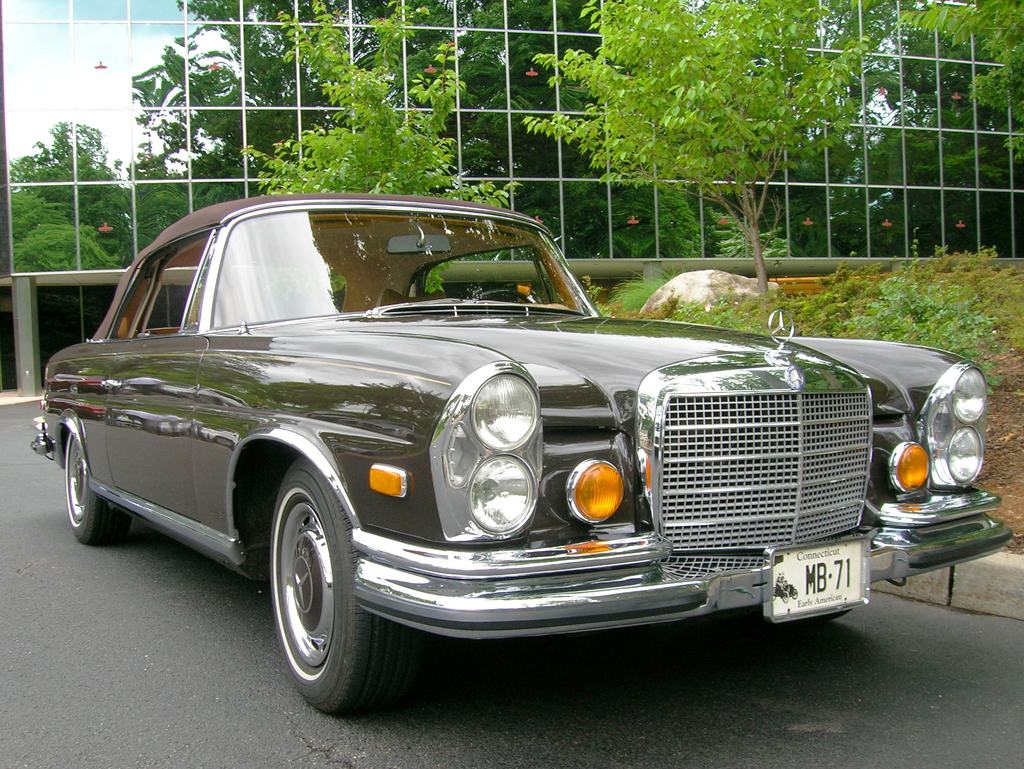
305,585
77,482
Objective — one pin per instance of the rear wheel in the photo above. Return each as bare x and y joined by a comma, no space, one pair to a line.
92,518
342,659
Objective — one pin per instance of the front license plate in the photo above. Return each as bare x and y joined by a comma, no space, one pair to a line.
817,579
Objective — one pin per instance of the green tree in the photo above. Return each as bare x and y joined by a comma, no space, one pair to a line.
710,97
372,143
1000,26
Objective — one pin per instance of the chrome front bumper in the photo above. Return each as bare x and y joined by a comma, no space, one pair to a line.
597,585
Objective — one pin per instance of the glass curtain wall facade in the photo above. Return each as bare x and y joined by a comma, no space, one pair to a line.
123,115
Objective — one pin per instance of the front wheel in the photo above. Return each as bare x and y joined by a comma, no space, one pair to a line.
92,518
342,659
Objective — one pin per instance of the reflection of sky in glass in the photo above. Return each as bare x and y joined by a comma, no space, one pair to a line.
35,54
156,10
96,88
85,66
35,10
100,10
92,10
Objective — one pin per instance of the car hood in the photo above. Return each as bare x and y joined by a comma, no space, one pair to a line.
588,369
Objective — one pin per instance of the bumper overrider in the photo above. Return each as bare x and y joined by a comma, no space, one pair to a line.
603,584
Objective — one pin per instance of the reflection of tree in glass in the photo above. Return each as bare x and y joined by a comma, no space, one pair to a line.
42,218
373,143
211,59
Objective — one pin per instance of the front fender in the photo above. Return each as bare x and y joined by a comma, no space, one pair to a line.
305,443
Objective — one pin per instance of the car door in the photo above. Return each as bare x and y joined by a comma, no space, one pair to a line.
153,384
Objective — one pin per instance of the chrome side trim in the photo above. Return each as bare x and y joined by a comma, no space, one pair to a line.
513,562
208,541
937,508
69,421
315,452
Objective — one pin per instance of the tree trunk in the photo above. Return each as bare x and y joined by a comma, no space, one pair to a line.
757,251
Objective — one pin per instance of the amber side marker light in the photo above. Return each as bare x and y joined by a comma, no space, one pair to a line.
390,481
595,491
908,466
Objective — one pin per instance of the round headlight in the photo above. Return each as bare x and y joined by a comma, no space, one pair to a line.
969,396
964,455
502,495
504,413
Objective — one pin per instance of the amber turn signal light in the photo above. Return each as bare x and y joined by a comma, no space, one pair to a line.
908,466
595,491
390,481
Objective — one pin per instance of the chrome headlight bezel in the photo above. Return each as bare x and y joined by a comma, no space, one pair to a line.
946,415
458,451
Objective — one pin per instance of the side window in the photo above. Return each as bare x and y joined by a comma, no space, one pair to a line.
157,302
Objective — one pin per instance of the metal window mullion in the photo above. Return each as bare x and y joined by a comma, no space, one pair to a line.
608,192
1013,187
558,141
703,237
298,86
458,97
864,134
903,137
351,32
938,114
74,151
405,63
245,98
132,198
828,202
189,182
508,107
789,213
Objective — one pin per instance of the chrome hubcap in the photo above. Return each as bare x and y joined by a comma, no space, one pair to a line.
306,584
77,480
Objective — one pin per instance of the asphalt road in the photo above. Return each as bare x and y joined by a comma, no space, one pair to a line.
146,654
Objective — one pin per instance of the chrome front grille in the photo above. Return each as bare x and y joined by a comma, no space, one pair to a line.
753,470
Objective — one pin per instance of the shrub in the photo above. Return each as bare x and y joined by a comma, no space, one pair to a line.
957,302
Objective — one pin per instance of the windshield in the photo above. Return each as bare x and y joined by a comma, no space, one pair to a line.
299,264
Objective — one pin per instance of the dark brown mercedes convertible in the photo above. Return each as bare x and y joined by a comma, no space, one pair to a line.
407,414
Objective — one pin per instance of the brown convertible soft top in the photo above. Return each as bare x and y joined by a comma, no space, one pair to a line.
212,216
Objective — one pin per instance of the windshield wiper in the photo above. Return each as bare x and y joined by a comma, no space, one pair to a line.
457,307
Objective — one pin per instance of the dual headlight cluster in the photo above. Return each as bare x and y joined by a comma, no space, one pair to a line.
487,455
952,432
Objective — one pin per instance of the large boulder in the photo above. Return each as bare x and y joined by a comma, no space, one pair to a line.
701,287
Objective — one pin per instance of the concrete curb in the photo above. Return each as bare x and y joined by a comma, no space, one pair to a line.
10,399
992,585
